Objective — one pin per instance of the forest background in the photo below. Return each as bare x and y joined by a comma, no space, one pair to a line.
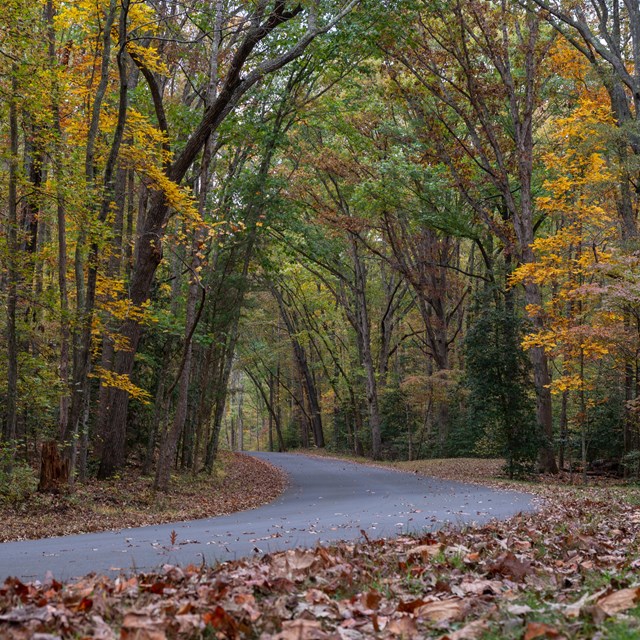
400,229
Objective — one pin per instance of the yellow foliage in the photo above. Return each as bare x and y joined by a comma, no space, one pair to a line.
147,155
149,57
122,382
580,200
77,14
112,297
572,382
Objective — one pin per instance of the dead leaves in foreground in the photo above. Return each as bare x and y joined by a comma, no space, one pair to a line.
569,571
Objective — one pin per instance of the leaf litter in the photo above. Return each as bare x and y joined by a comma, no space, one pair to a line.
240,482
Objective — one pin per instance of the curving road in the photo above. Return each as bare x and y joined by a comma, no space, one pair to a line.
326,500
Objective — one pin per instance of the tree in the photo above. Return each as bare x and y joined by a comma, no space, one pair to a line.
573,325
480,112
606,33
243,72
500,409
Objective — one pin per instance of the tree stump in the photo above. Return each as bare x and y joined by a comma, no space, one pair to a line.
54,471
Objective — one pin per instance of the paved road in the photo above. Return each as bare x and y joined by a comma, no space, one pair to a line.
326,500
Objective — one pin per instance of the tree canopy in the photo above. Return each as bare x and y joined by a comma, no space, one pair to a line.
403,229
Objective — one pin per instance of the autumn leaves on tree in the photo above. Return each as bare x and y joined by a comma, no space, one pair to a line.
279,224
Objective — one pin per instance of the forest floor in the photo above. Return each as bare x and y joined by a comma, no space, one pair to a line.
485,471
569,570
239,482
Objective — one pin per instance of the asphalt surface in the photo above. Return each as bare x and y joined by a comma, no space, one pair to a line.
327,500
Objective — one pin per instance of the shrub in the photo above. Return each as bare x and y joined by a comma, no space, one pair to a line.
17,479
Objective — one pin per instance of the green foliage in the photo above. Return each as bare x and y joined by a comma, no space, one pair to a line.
500,411
461,436
342,440
605,421
17,479
399,424
631,463
291,434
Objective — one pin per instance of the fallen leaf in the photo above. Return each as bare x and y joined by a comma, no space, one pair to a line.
472,631
404,627
573,610
441,610
540,630
101,630
140,626
410,606
371,599
189,625
519,609
616,602
26,614
478,588
301,630
509,566
425,551
221,620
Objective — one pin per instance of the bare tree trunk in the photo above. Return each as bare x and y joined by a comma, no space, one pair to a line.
65,335
81,348
269,404
273,409
11,419
240,417
219,405
307,382
542,382
363,331
158,407
168,446
564,431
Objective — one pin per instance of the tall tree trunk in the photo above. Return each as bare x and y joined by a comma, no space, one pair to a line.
307,382
65,334
542,382
270,402
221,391
363,330
169,444
82,333
82,359
240,405
11,418
163,475
112,271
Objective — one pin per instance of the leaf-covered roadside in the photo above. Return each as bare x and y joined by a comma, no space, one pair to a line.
568,571
486,471
240,482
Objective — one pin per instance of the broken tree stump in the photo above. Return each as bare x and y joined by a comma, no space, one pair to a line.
54,470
